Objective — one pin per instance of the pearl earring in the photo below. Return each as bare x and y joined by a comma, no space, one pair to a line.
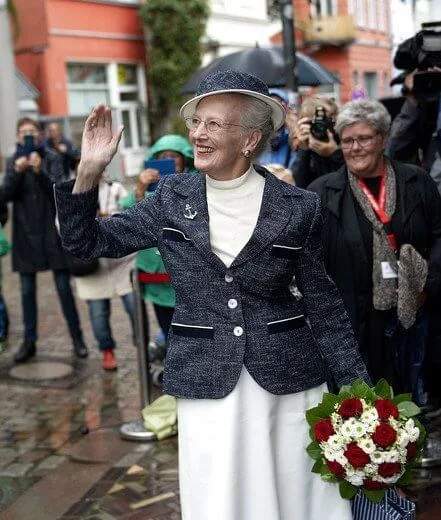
247,153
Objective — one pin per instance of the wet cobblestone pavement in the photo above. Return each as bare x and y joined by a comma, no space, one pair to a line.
51,469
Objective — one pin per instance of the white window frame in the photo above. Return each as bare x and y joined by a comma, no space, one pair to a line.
372,14
360,13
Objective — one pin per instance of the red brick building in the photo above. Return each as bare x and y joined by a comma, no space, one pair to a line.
78,53
352,38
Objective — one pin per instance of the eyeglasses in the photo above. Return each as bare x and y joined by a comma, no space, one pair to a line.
362,140
212,125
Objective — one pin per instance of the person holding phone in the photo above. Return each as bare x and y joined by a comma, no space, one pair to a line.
30,175
159,292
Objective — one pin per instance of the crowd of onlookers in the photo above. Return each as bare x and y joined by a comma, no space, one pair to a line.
371,220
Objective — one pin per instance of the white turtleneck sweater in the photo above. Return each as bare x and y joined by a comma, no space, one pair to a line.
233,208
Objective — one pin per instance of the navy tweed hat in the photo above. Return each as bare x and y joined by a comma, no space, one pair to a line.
234,82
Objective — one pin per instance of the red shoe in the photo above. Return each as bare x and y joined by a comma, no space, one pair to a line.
109,361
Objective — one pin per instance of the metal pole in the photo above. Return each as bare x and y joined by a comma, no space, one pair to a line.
135,430
289,48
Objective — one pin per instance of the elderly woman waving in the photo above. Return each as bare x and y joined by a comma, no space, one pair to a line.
243,359
382,242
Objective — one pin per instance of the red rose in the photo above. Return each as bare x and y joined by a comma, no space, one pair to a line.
386,409
357,458
411,450
323,430
350,407
384,435
336,468
373,485
389,469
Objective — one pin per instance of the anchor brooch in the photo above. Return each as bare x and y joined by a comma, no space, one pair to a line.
188,213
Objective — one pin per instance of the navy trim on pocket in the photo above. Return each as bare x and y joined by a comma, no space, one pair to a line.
274,327
281,251
174,234
192,331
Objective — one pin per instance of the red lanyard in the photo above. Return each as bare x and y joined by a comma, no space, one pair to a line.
379,206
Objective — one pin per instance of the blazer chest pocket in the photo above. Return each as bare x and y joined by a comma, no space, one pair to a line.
192,331
287,252
174,235
275,327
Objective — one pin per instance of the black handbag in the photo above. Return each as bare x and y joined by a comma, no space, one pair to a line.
78,267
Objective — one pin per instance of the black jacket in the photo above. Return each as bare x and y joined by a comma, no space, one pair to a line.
417,216
309,166
36,245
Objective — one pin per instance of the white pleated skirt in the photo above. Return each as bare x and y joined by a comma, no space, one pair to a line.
243,458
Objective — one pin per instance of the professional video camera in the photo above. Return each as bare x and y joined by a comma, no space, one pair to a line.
422,52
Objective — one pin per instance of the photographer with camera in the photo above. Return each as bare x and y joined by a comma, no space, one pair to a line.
30,176
416,131
318,146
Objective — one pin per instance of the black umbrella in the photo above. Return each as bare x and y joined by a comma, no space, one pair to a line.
268,64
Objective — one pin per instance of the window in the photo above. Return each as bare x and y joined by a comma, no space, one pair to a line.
371,84
372,14
323,8
361,13
88,86
382,15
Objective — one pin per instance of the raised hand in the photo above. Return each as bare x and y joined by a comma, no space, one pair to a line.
98,146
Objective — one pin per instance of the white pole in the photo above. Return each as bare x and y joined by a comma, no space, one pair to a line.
8,95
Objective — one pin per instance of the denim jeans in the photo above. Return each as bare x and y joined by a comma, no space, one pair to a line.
99,312
29,303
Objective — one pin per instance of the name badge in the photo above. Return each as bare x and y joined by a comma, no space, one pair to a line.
389,270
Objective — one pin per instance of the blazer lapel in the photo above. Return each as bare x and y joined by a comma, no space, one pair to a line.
275,212
193,200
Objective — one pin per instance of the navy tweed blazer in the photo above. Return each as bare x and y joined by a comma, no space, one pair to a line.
227,317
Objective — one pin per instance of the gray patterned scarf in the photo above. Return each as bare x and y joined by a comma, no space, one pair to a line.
384,289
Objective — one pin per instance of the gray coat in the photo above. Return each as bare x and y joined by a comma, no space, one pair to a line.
210,339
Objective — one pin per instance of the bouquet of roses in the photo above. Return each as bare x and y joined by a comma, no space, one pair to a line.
365,439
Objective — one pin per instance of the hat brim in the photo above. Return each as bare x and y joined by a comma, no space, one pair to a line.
277,110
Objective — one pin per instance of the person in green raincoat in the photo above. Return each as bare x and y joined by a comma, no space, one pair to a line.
159,291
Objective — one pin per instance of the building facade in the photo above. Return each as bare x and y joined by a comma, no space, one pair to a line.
78,53
352,38
237,24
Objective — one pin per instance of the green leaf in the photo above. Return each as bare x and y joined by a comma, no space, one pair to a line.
329,477
328,403
401,398
362,390
383,389
319,466
408,409
314,415
344,393
406,479
314,451
345,389
375,496
347,490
